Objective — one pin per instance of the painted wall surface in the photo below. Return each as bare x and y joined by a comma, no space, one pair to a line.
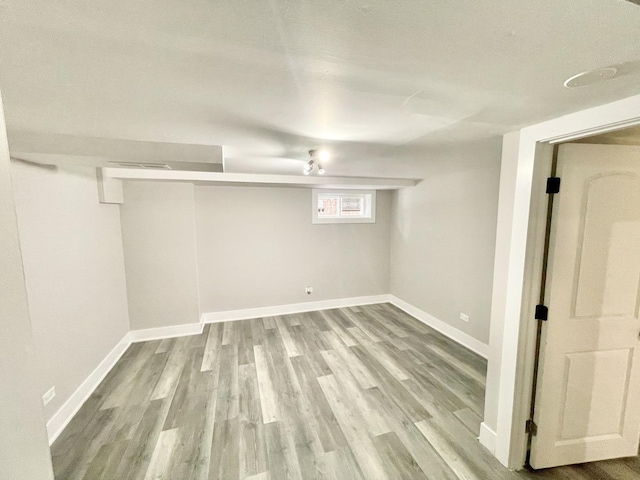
158,236
443,237
24,449
257,248
74,268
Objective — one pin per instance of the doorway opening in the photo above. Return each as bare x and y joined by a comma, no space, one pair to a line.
585,376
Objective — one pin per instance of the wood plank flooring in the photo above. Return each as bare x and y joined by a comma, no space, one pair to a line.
353,393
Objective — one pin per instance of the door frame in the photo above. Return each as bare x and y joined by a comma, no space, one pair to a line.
522,212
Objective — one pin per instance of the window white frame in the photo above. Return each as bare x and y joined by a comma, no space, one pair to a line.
368,198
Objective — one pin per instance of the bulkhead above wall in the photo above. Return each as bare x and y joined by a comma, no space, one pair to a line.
58,149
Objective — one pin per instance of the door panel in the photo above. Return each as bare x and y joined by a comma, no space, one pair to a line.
609,266
588,398
602,399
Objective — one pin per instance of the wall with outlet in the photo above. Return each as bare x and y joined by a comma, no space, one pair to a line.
24,451
192,250
74,269
443,236
257,248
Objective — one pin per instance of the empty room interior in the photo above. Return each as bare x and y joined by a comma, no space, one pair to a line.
268,240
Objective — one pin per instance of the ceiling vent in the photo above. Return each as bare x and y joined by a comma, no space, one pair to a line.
591,77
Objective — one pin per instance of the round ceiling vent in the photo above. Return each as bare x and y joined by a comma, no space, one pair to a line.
591,77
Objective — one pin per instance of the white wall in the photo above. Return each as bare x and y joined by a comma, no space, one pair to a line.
73,263
24,451
257,247
443,236
158,235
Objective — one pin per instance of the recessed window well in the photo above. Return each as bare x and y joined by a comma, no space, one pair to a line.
344,206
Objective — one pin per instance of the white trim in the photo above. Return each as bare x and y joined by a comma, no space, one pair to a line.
66,412
487,438
229,315
508,340
165,332
453,333
218,178
595,131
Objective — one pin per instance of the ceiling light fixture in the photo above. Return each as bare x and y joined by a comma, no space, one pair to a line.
314,157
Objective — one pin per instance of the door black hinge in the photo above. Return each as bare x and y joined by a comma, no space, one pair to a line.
531,427
542,312
553,185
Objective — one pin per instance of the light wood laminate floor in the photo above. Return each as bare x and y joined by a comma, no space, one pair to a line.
353,393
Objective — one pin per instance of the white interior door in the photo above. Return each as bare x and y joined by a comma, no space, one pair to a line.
588,399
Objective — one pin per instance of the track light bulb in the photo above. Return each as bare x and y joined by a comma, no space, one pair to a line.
320,170
308,167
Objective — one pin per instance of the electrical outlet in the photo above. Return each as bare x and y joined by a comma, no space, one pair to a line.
464,317
308,290
47,397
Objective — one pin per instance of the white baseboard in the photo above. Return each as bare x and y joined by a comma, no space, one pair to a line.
165,332
66,412
229,315
488,438
453,333
63,416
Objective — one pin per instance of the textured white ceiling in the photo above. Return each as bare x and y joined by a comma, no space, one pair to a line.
378,82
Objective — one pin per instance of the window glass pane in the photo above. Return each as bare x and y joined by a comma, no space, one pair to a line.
352,206
328,206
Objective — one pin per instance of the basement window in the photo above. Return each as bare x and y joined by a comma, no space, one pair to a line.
344,206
